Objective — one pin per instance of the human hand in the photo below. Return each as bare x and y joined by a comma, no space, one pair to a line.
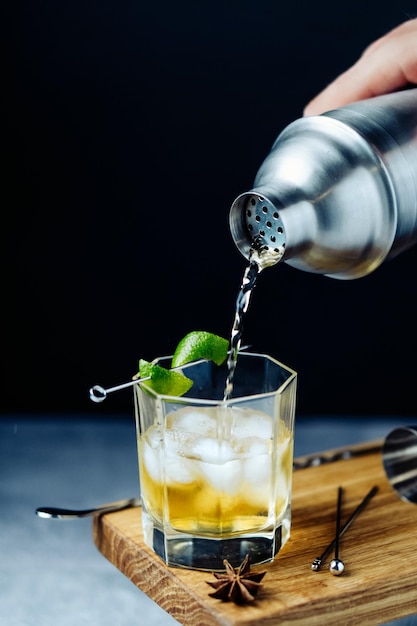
388,64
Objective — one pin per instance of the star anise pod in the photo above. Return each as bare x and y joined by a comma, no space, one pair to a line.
237,585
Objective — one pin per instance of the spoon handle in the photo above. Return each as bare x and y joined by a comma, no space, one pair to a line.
53,512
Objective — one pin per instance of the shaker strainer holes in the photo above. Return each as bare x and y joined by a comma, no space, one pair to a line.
264,209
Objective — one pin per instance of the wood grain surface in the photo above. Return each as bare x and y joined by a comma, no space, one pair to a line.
379,583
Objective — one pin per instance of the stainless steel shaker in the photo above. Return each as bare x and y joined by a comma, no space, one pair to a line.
337,194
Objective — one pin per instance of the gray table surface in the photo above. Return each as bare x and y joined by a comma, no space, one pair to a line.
50,571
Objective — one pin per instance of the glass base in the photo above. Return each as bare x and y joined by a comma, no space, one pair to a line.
207,554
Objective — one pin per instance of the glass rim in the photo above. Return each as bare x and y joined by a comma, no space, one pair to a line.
207,402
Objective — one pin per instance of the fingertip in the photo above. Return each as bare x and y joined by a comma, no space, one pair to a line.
310,109
315,106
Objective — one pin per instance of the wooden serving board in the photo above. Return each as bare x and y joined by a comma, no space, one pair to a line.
379,583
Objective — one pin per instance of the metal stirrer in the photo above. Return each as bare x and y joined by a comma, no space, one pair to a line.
337,566
316,564
98,393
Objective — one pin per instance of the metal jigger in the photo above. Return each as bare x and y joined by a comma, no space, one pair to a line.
399,457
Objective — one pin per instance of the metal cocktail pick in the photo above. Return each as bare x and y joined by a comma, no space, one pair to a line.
98,393
316,564
337,566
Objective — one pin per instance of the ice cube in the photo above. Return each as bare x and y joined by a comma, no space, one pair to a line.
252,446
153,436
176,441
211,450
257,470
151,460
179,469
249,423
224,476
256,478
281,486
200,421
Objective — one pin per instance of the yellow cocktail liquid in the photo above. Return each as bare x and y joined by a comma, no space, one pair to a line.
201,484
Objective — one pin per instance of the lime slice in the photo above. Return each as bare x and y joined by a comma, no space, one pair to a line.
163,381
200,344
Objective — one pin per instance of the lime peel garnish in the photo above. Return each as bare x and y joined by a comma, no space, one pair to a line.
200,344
196,345
163,381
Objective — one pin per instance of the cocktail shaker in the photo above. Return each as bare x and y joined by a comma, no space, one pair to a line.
337,194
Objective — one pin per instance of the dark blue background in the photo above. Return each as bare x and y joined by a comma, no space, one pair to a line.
129,128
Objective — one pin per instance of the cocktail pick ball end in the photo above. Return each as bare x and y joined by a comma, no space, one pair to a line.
336,567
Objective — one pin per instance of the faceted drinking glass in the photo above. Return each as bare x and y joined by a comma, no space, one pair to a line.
216,474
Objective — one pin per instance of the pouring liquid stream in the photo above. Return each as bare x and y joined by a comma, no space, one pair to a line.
242,302
260,257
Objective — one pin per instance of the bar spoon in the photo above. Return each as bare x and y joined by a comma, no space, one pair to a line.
57,513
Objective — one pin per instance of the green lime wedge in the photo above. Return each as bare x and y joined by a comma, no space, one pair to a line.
163,381
145,368
200,344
